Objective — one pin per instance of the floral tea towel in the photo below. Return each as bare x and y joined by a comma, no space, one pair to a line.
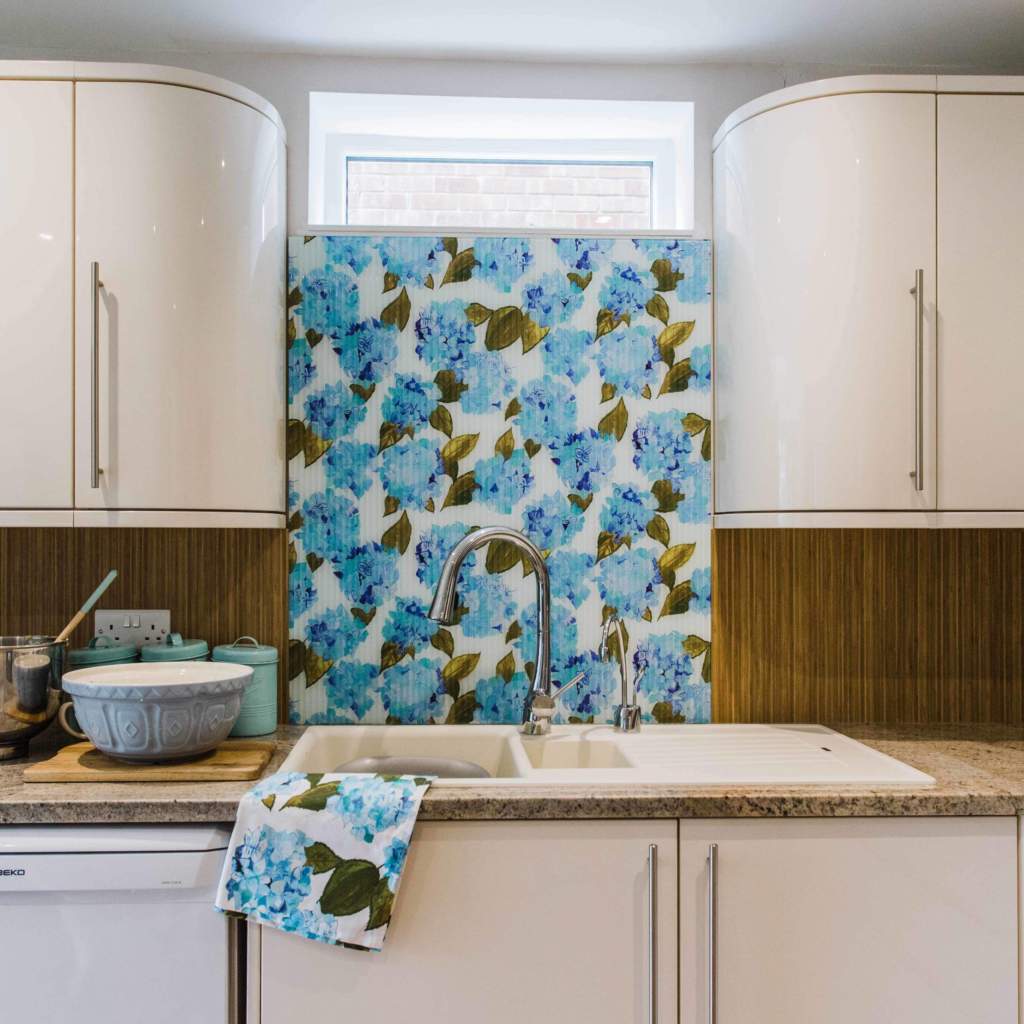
322,855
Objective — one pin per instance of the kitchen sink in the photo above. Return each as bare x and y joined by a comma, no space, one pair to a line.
694,755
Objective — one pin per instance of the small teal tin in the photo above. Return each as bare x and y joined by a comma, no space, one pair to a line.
101,650
174,648
259,703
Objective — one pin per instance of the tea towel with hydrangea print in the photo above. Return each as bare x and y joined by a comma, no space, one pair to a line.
321,855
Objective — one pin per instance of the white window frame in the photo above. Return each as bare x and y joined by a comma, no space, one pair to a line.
368,125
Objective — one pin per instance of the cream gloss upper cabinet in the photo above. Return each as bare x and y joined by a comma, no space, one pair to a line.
35,299
824,215
179,297
981,301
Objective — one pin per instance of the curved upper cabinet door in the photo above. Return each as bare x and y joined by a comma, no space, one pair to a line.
35,295
180,202
824,211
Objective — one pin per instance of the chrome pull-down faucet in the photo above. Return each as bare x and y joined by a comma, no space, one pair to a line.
540,698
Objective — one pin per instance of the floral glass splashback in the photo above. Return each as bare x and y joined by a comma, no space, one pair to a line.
557,385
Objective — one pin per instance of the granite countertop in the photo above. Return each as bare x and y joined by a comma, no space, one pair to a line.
978,769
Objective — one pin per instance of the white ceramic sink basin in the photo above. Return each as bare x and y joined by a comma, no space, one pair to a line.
697,755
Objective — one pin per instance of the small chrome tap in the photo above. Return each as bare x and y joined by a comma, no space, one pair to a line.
540,698
626,714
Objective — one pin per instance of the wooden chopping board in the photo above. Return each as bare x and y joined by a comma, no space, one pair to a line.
232,761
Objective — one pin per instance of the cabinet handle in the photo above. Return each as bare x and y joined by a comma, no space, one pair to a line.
94,407
918,292
712,876
652,933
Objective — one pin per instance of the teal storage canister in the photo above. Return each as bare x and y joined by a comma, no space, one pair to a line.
174,648
101,650
259,703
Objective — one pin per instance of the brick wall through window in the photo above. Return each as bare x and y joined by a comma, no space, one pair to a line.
428,193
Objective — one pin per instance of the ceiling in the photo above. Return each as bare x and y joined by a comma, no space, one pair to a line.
966,34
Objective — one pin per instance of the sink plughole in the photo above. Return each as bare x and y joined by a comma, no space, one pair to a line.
575,755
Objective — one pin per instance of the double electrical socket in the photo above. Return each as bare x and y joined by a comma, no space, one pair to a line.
133,625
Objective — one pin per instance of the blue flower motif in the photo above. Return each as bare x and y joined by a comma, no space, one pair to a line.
301,590
564,351
627,289
413,691
348,250
628,357
410,401
334,634
592,697
330,302
564,634
583,254
504,482
686,257
367,574
433,548
700,585
301,367
627,511
489,603
627,581
412,472
408,625
700,363
293,496
661,447
367,350
445,334
584,459
569,571
310,924
694,482
501,703
410,258
552,522
502,260
487,379
552,299
333,411
347,464
663,667
349,688
330,524
371,804
269,874
549,410
394,861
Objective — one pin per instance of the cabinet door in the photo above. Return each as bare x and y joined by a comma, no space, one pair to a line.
981,266
824,211
848,921
36,193
502,922
179,202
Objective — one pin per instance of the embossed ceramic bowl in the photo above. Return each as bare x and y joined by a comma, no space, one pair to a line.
157,711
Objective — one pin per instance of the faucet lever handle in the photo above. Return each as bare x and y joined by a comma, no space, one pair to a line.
575,681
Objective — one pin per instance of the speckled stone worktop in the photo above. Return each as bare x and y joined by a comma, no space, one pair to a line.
979,769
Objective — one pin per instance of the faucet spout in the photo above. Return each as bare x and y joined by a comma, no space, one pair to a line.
442,609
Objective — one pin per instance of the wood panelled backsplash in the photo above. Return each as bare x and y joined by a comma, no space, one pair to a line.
869,626
218,584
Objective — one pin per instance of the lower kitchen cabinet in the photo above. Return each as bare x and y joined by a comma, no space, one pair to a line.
502,922
850,921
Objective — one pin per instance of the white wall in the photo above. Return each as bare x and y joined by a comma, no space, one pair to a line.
287,80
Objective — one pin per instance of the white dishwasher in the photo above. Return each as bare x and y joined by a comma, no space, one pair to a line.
115,925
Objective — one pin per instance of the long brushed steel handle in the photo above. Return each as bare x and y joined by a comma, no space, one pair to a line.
918,292
712,876
94,409
652,933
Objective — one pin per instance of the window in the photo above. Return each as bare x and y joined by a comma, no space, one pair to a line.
426,161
